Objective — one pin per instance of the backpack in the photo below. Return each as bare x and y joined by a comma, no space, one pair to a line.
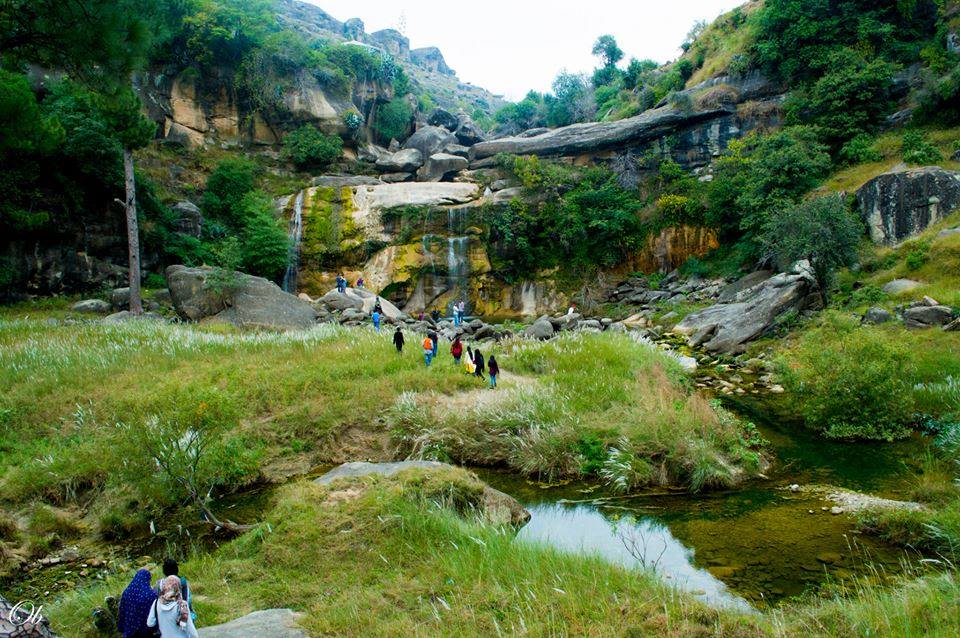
428,344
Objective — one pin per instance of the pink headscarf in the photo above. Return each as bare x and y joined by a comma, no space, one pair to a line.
171,591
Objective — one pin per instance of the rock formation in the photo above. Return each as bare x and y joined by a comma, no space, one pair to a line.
903,203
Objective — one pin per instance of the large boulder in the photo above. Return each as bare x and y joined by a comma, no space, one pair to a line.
267,623
386,196
92,305
495,506
540,329
336,300
362,300
595,136
430,139
898,286
468,133
903,203
242,300
444,118
189,218
403,161
726,327
927,316
440,165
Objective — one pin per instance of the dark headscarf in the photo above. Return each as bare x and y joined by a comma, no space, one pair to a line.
135,605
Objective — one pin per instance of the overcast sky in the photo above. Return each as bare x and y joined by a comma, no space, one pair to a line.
512,46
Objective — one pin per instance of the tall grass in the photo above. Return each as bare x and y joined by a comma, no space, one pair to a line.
588,402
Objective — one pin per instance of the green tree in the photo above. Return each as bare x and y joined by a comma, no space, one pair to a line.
822,231
393,120
308,147
226,187
265,246
607,50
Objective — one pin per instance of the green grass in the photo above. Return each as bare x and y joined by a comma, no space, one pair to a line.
405,556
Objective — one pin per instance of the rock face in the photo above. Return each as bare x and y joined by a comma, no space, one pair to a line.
900,204
430,59
415,194
594,136
268,623
671,248
497,508
726,327
245,301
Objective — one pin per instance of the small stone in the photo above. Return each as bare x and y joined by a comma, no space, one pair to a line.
777,389
836,510
794,487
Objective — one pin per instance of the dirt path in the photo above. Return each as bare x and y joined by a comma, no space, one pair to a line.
483,396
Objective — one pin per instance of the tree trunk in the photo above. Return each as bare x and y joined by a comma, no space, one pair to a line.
133,233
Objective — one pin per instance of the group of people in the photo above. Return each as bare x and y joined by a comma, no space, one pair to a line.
343,284
473,363
164,610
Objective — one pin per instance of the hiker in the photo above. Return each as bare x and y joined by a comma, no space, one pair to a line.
398,340
377,307
170,613
456,313
436,341
456,349
376,321
461,311
427,350
435,315
172,568
420,316
478,362
341,284
360,282
572,309
135,604
494,369
468,363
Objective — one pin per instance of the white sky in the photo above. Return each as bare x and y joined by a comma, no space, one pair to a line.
512,46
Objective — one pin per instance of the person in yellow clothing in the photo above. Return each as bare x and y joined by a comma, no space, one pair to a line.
468,363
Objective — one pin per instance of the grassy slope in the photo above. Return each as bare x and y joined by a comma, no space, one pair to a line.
380,557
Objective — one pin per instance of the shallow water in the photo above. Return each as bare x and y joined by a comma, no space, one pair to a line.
748,548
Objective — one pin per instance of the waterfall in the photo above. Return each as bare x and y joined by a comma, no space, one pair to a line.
296,233
528,299
458,259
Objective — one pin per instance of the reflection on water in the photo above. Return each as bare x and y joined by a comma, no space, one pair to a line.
643,542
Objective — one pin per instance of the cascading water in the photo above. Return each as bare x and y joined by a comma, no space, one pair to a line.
458,261
296,233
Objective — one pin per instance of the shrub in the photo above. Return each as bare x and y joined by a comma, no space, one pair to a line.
917,150
859,150
265,247
852,382
226,187
308,147
393,120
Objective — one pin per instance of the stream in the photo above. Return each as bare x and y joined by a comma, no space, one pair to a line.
748,548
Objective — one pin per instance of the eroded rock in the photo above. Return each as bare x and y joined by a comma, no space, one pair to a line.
900,204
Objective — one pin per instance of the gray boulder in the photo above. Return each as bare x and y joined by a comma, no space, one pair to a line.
904,203
404,161
726,327
268,623
242,300
949,232
898,286
92,305
925,316
877,315
494,506
443,118
397,178
440,165
189,218
468,133
120,297
594,136
429,140
125,315
729,292
540,329
341,301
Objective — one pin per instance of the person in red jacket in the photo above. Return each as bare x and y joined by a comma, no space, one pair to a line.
456,349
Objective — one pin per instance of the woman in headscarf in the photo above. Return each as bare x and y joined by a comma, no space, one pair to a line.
135,604
170,613
479,363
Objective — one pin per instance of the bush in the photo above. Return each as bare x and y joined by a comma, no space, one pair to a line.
852,382
393,120
859,150
308,147
226,188
917,150
265,248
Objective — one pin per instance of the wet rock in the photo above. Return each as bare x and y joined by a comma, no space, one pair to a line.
268,623
904,203
92,306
